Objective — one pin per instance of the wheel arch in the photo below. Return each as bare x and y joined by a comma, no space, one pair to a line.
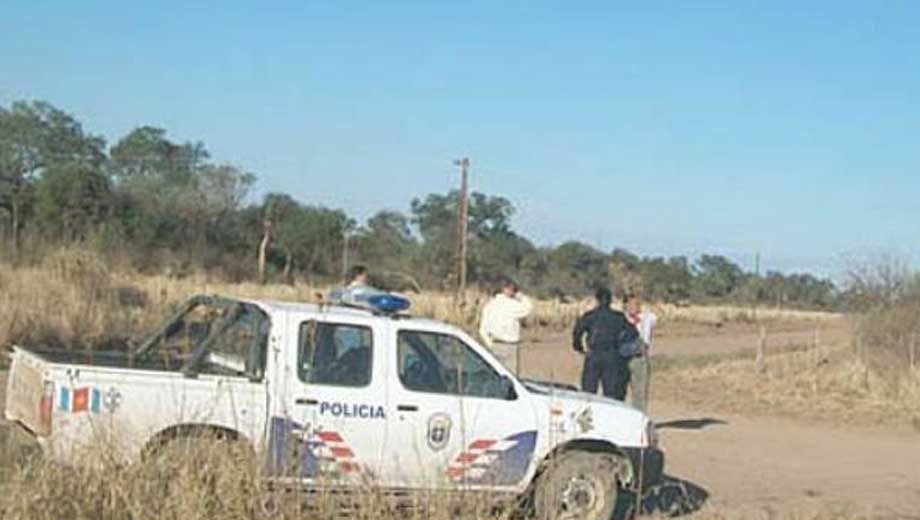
590,445
186,430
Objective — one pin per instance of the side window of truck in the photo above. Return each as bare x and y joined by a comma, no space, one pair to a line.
444,364
241,345
334,354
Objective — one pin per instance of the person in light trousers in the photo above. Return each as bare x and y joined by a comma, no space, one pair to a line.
639,371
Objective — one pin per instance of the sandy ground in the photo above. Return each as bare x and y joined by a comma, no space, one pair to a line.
550,354
758,467
761,466
767,465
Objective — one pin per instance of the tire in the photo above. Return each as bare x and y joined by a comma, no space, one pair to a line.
201,452
578,485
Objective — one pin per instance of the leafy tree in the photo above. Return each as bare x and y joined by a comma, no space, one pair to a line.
501,254
386,244
666,279
435,217
35,136
146,154
160,198
311,238
576,267
625,271
717,276
73,199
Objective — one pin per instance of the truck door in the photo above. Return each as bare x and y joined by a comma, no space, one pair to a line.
330,430
457,419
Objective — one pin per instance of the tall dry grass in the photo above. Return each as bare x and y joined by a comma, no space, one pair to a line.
210,480
814,382
77,299
214,480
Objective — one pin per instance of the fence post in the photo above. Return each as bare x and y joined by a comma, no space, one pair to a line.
759,362
913,350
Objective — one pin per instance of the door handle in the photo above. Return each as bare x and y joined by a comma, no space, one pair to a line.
407,408
306,401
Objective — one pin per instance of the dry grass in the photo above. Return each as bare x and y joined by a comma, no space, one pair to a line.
212,480
205,481
823,383
719,314
76,299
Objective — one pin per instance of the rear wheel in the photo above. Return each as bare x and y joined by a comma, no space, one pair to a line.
578,485
200,453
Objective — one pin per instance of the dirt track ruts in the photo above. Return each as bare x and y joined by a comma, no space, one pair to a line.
761,464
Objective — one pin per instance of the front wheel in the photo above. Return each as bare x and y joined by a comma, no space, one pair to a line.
578,485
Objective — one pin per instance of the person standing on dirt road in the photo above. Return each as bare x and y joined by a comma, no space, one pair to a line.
500,323
639,367
603,330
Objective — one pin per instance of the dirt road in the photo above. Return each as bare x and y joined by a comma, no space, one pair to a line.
751,464
550,355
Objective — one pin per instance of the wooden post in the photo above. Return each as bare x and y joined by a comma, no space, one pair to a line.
263,248
913,350
816,344
859,347
462,224
760,362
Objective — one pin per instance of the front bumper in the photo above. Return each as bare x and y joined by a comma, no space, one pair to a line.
647,465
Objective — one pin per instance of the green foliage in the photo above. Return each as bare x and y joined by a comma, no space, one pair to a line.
35,136
494,250
717,276
310,237
71,200
575,267
165,204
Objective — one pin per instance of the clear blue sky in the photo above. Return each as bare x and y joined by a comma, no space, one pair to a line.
789,128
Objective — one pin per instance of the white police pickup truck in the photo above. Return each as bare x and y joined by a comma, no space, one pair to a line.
340,396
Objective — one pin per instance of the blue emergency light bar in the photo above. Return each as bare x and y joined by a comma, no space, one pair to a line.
388,303
371,299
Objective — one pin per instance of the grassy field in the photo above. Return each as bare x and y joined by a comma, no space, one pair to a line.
75,300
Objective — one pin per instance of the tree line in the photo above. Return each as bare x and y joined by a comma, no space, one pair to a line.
167,205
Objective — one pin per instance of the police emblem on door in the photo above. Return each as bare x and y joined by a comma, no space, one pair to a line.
439,426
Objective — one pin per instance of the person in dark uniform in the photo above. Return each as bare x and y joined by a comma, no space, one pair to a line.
603,330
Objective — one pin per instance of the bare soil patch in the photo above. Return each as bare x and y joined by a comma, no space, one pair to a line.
761,467
548,353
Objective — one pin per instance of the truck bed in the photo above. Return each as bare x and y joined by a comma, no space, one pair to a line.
107,359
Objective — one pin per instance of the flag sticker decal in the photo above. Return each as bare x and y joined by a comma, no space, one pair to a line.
83,399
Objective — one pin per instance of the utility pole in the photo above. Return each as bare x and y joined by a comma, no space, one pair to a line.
462,217
345,251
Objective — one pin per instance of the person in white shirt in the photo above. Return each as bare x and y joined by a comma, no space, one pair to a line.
359,277
356,288
500,324
639,374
